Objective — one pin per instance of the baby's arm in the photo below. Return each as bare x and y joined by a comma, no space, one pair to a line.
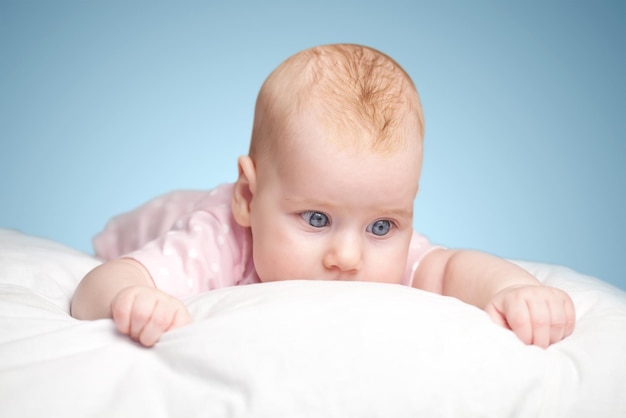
122,289
512,297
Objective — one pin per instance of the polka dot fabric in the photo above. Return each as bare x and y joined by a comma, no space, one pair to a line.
187,240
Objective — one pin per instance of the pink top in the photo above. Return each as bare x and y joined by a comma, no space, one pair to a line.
190,242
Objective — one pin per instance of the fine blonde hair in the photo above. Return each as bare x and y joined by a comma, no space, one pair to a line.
351,88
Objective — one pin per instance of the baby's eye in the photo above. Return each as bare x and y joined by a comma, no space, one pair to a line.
315,219
380,227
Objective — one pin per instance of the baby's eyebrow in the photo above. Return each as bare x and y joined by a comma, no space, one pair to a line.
401,213
384,211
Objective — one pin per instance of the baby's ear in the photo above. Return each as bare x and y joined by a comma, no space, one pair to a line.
243,191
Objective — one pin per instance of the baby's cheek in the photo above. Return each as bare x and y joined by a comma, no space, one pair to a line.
386,269
387,276
272,266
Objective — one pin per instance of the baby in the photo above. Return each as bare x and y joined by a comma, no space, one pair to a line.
325,193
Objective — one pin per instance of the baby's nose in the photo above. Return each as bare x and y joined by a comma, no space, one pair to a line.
345,254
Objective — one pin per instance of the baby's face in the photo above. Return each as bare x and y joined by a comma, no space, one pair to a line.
329,213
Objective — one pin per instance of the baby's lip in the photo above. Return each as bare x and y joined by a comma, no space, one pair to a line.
335,276
344,277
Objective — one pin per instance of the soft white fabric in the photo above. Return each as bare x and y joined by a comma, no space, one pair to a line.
300,349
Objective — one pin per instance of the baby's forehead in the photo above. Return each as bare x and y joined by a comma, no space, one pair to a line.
314,126
310,139
336,174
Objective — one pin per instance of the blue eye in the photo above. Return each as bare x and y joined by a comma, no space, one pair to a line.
380,228
315,219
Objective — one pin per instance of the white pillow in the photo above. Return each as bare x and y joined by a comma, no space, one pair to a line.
300,349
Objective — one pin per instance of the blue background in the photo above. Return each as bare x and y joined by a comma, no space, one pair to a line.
104,105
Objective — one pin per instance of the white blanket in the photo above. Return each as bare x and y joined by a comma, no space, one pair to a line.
300,349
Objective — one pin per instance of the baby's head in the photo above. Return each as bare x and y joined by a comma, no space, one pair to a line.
333,168
358,97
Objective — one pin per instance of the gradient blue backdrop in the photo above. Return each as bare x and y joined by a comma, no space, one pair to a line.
105,104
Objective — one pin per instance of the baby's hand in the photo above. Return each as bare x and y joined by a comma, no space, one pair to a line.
538,315
145,313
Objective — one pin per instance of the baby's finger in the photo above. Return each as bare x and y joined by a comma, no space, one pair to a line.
541,320
558,322
143,305
121,310
563,318
519,319
570,316
159,322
